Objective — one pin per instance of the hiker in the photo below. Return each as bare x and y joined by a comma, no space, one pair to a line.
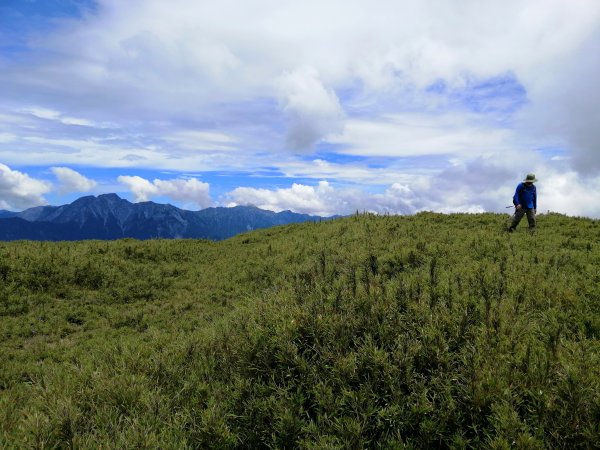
525,201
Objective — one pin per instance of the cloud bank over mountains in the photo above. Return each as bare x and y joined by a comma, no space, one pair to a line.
319,107
477,187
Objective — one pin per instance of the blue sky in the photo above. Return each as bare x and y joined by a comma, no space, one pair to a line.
322,107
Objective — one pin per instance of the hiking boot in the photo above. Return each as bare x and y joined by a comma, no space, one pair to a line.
511,229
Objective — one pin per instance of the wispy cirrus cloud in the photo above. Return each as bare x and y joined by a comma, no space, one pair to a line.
7,138
405,135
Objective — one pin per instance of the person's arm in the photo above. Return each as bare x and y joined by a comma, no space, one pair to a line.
535,199
516,200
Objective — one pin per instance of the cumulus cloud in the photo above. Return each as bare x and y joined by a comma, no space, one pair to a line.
141,188
72,181
569,193
191,190
482,184
298,198
488,184
323,199
20,191
313,111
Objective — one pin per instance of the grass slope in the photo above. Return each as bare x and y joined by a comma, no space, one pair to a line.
364,332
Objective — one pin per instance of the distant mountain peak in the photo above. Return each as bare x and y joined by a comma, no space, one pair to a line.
109,216
112,197
108,198
5,213
84,199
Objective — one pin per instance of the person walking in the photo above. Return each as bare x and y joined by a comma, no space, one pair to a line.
525,201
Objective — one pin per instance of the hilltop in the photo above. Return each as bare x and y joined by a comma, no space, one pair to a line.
363,332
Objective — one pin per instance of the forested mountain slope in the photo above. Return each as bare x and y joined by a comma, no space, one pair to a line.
110,217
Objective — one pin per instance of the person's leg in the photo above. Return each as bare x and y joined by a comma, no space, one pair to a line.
531,219
516,219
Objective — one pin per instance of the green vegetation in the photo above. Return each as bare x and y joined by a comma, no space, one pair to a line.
364,332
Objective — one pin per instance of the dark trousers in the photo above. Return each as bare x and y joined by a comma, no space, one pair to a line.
519,213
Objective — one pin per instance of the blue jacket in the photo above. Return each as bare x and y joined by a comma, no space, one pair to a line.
526,196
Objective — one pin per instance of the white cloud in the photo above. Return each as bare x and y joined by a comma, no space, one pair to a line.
191,190
564,104
217,43
569,193
325,200
153,61
358,173
320,200
50,114
313,111
7,137
415,134
121,155
19,191
78,121
477,185
72,181
141,188
202,140
42,113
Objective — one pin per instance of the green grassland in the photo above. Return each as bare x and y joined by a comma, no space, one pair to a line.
370,331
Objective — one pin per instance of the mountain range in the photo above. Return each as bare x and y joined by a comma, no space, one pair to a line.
110,217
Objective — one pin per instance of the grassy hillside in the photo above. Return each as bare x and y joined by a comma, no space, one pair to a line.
364,332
